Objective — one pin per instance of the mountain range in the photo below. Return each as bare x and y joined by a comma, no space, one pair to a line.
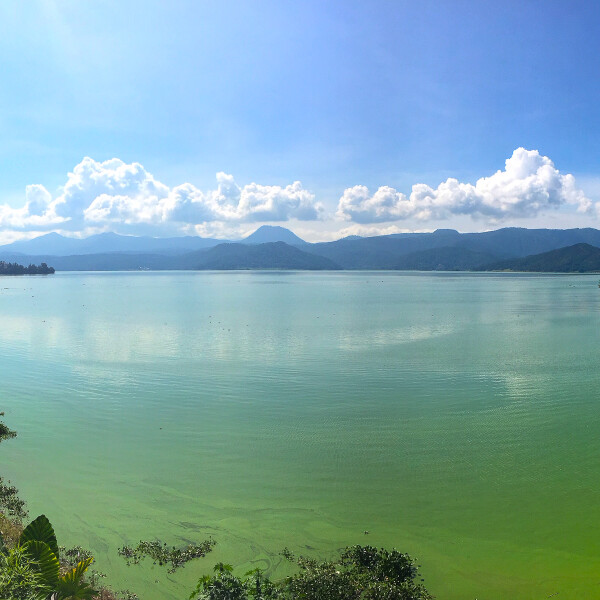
579,258
279,248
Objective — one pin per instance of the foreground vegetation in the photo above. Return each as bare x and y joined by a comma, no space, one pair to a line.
34,567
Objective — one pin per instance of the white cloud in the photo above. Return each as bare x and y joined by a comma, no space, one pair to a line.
117,195
372,230
124,197
529,185
37,199
107,187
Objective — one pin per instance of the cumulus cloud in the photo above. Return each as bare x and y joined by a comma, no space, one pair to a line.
530,184
37,199
125,197
111,193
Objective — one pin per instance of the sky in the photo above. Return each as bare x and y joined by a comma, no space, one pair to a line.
330,118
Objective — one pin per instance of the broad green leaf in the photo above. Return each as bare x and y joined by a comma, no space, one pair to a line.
40,530
46,562
79,570
71,587
74,590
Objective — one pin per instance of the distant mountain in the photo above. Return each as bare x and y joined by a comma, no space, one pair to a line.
579,258
51,244
54,244
380,252
385,252
447,258
272,255
444,249
270,233
518,242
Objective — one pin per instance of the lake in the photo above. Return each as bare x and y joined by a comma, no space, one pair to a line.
453,416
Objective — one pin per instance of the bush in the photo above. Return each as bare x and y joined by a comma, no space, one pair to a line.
361,573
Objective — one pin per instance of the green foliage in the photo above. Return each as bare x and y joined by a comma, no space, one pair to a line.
18,577
161,554
126,595
31,569
40,530
10,503
381,563
361,573
7,268
72,586
46,562
5,432
223,585
70,557
10,531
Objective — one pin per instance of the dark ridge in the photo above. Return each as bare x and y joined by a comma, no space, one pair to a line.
579,258
447,258
274,255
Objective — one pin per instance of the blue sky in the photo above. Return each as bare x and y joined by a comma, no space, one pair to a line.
358,101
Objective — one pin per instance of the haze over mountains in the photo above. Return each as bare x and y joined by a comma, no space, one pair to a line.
279,248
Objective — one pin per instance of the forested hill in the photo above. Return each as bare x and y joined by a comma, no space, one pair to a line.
579,258
273,255
7,268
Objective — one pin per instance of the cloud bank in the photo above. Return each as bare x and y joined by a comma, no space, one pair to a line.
114,195
530,184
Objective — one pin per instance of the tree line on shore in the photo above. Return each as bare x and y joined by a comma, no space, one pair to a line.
8,268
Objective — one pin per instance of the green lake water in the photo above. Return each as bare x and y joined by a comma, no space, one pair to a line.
453,416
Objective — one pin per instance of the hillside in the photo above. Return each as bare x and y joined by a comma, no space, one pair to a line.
447,258
386,252
381,252
271,233
274,255
579,258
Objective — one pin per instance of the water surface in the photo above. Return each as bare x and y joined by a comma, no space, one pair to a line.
454,416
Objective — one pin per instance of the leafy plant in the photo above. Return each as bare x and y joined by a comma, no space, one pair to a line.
18,577
5,432
223,585
361,573
162,554
10,503
32,567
